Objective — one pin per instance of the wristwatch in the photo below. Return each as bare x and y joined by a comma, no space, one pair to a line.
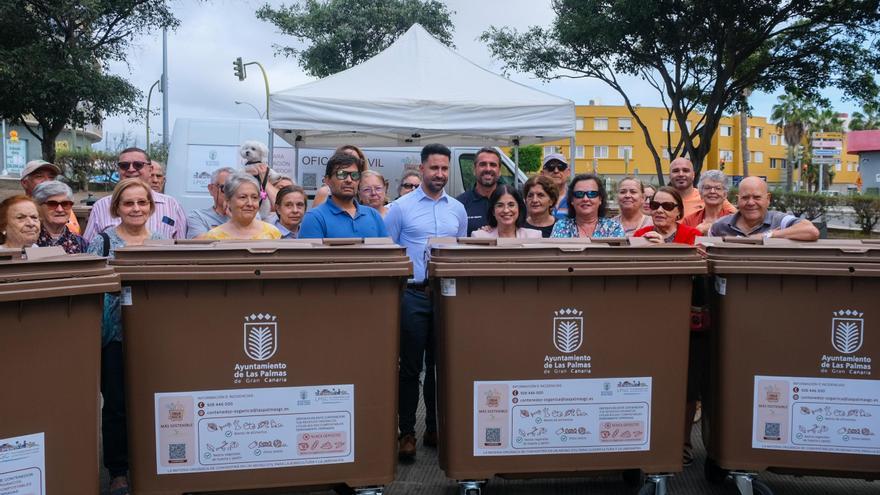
768,234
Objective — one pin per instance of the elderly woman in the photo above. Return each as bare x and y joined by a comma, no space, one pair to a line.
667,209
324,191
631,200
290,207
19,223
648,194
371,191
55,202
587,202
132,202
242,193
713,192
409,182
506,216
541,195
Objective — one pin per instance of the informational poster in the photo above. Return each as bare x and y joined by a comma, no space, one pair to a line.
16,157
227,430
23,465
569,416
202,161
817,415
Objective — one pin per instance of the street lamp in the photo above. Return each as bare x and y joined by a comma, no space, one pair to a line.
259,113
239,70
149,95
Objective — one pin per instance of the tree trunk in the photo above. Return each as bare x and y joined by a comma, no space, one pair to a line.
744,139
789,171
50,135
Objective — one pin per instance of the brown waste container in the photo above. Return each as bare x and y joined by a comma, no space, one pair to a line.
50,350
252,366
559,357
795,384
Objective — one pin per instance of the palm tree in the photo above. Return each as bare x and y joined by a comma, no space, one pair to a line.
868,120
826,120
792,116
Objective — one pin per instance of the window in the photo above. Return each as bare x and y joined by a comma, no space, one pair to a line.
668,125
748,132
600,124
666,154
624,152
466,165
757,157
726,156
579,124
837,167
579,152
624,124
726,130
782,140
759,132
549,150
774,139
849,167
600,151
773,162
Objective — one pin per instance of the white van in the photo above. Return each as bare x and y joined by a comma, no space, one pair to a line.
200,146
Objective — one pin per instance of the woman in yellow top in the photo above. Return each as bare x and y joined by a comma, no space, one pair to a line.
243,203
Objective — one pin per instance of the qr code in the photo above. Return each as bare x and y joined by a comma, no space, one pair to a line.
310,181
493,436
177,452
771,431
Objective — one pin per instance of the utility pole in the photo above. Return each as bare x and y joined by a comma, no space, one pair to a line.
150,95
240,72
165,128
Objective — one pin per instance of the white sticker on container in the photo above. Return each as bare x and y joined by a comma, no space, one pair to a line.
447,287
125,297
721,285
23,465
258,428
571,416
817,415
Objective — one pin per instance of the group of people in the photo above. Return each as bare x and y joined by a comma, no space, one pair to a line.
256,203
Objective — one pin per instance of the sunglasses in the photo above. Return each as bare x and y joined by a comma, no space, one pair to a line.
128,165
666,205
588,194
408,186
55,204
561,167
343,174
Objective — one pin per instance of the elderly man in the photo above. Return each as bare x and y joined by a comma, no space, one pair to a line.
157,177
200,221
487,171
556,169
167,219
35,173
755,219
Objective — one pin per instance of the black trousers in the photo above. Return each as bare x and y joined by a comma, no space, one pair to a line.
113,426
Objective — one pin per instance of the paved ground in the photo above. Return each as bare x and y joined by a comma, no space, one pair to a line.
424,477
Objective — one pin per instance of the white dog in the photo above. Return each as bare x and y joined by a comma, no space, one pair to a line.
254,152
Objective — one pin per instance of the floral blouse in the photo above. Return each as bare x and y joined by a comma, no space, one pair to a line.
606,227
70,242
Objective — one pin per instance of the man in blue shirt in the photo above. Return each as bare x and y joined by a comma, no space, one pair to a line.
342,216
411,220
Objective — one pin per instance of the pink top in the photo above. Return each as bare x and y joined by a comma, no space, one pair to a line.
493,234
169,218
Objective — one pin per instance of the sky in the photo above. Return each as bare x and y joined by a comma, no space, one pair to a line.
214,32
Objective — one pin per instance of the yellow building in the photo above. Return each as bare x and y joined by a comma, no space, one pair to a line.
607,135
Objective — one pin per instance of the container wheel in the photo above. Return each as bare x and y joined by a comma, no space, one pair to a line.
713,472
470,491
632,477
761,488
648,489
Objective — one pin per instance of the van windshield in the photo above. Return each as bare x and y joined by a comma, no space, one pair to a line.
466,164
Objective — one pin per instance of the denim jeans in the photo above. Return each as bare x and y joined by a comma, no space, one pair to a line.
416,351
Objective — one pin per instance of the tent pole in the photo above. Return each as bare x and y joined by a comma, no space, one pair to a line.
296,178
571,155
516,162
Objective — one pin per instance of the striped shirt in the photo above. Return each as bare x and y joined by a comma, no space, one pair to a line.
169,219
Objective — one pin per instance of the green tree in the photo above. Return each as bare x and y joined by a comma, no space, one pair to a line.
343,33
867,210
869,120
529,158
700,55
54,58
792,115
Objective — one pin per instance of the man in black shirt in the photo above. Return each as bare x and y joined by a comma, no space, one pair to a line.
487,171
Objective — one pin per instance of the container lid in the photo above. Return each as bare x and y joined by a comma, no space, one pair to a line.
67,275
297,258
782,256
509,257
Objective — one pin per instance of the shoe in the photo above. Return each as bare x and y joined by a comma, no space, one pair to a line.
406,447
429,439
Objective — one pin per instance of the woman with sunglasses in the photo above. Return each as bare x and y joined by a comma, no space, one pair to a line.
55,202
587,201
409,182
667,209
371,191
506,216
242,192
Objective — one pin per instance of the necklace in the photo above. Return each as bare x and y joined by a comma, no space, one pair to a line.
584,232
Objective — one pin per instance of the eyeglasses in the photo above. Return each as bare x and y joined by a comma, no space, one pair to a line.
344,174
373,190
409,186
553,167
666,205
141,203
588,194
128,165
713,188
55,204
221,187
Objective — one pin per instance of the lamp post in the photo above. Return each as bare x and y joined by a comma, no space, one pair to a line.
239,69
149,95
259,113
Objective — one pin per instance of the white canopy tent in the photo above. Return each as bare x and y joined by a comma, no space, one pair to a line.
418,91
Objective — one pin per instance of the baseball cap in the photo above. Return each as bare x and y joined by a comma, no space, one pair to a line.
34,165
554,157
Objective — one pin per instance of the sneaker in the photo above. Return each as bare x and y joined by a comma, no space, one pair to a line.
429,439
406,447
